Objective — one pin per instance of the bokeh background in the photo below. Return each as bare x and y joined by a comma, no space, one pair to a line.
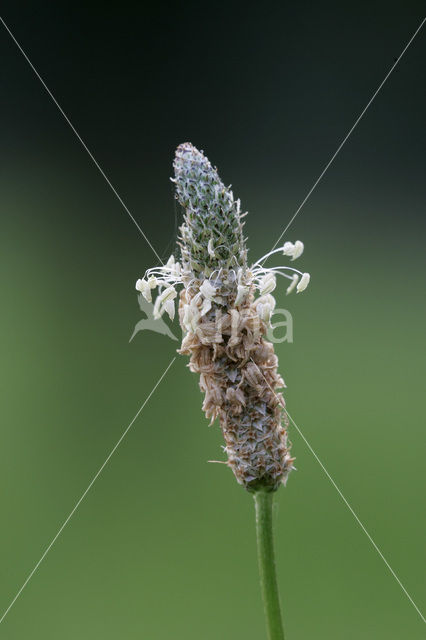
163,546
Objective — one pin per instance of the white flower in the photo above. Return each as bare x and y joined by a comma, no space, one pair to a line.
267,284
159,307
191,316
242,291
293,250
145,287
265,307
208,290
298,249
170,262
293,283
169,308
288,249
304,281
140,283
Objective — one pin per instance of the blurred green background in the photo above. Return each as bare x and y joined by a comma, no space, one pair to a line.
163,546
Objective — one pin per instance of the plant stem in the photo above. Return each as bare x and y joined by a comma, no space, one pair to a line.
267,569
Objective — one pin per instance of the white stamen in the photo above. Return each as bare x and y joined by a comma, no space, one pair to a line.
298,249
304,281
169,308
267,284
288,249
144,287
265,307
293,283
168,294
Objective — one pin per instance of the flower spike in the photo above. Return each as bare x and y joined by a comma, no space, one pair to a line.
225,309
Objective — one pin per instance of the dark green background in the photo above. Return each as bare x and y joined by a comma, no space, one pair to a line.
163,546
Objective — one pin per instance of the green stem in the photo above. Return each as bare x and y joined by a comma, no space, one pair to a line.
268,576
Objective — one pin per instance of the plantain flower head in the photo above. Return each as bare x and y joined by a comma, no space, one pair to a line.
225,309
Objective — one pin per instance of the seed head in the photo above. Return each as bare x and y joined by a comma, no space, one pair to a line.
224,324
